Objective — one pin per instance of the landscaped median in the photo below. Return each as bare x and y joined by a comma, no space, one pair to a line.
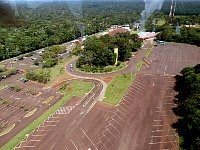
7,130
83,87
117,88
49,99
2,87
107,69
138,66
30,113
148,52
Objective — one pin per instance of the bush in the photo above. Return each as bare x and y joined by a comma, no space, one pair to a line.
8,73
50,63
2,68
15,88
38,75
64,86
108,68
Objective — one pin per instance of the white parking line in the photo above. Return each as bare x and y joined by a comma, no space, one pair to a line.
29,146
120,118
52,121
49,125
125,100
38,135
116,122
74,144
36,140
139,89
139,86
112,134
124,109
107,138
152,143
121,113
113,127
88,138
139,92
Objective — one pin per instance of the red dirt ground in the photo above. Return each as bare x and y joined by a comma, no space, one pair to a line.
107,79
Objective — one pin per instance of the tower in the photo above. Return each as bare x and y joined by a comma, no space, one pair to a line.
177,28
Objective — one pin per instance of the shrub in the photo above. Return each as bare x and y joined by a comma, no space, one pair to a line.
38,75
50,63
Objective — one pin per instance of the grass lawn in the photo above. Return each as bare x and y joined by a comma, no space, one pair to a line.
197,25
161,22
77,88
58,69
117,88
138,66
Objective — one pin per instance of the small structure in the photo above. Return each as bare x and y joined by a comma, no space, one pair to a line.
117,30
147,35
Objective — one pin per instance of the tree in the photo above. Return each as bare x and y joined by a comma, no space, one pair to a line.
188,109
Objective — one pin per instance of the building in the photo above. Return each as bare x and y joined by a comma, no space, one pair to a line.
114,31
147,35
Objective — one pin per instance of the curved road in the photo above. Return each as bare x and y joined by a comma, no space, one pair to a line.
129,69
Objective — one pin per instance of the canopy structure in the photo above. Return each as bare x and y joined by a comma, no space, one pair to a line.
146,35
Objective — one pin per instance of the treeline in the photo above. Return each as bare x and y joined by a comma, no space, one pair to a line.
99,52
51,56
55,23
182,7
188,110
187,35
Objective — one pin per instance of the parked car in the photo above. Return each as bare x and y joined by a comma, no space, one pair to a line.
23,80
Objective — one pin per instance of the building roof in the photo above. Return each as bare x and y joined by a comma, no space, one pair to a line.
146,35
117,30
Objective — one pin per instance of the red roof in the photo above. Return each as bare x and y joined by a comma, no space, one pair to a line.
117,30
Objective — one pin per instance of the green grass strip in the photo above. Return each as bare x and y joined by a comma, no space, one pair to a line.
34,125
138,66
117,88
148,52
49,99
7,130
30,113
2,87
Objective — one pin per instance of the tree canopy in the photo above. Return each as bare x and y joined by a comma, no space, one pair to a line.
99,52
188,110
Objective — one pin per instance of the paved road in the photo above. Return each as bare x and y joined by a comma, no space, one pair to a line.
67,125
130,68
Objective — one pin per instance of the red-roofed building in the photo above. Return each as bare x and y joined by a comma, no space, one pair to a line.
117,30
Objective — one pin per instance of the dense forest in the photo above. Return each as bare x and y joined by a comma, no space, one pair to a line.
189,7
188,110
58,22
55,23
187,35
